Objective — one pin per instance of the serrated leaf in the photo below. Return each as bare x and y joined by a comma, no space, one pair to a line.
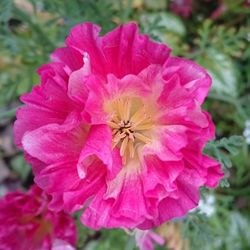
226,161
224,183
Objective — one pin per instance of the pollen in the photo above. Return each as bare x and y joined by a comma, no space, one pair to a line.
130,126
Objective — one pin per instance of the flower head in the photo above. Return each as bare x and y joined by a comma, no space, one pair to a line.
117,124
27,224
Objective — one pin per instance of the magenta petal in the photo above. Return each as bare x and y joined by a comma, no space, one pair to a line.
27,223
85,38
58,177
98,144
93,182
50,96
174,95
56,72
146,239
214,172
128,52
159,173
54,142
192,76
30,118
188,198
122,206
69,57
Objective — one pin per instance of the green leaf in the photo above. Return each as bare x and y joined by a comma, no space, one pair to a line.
164,22
5,10
222,70
223,150
19,165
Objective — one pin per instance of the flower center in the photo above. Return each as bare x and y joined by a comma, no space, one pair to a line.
130,125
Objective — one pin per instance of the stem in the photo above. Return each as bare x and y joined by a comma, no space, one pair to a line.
238,192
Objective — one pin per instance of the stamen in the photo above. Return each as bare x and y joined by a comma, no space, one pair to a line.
142,137
131,149
143,127
113,125
128,126
124,146
127,108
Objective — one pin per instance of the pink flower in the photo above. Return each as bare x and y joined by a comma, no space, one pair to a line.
117,125
183,8
146,239
27,224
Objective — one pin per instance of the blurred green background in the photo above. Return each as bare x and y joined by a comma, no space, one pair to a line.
215,34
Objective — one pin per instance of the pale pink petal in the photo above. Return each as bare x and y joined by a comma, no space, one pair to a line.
77,90
146,239
129,85
167,142
62,245
94,108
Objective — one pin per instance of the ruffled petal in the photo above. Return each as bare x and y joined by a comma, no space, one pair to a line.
192,76
175,207
71,58
167,141
53,142
90,186
173,95
77,90
121,206
52,94
159,177
207,169
128,52
58,177
85,38
98,144
30,118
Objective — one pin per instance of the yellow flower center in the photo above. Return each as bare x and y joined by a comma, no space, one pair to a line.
130,125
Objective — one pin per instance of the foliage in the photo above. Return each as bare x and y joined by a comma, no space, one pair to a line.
30,32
